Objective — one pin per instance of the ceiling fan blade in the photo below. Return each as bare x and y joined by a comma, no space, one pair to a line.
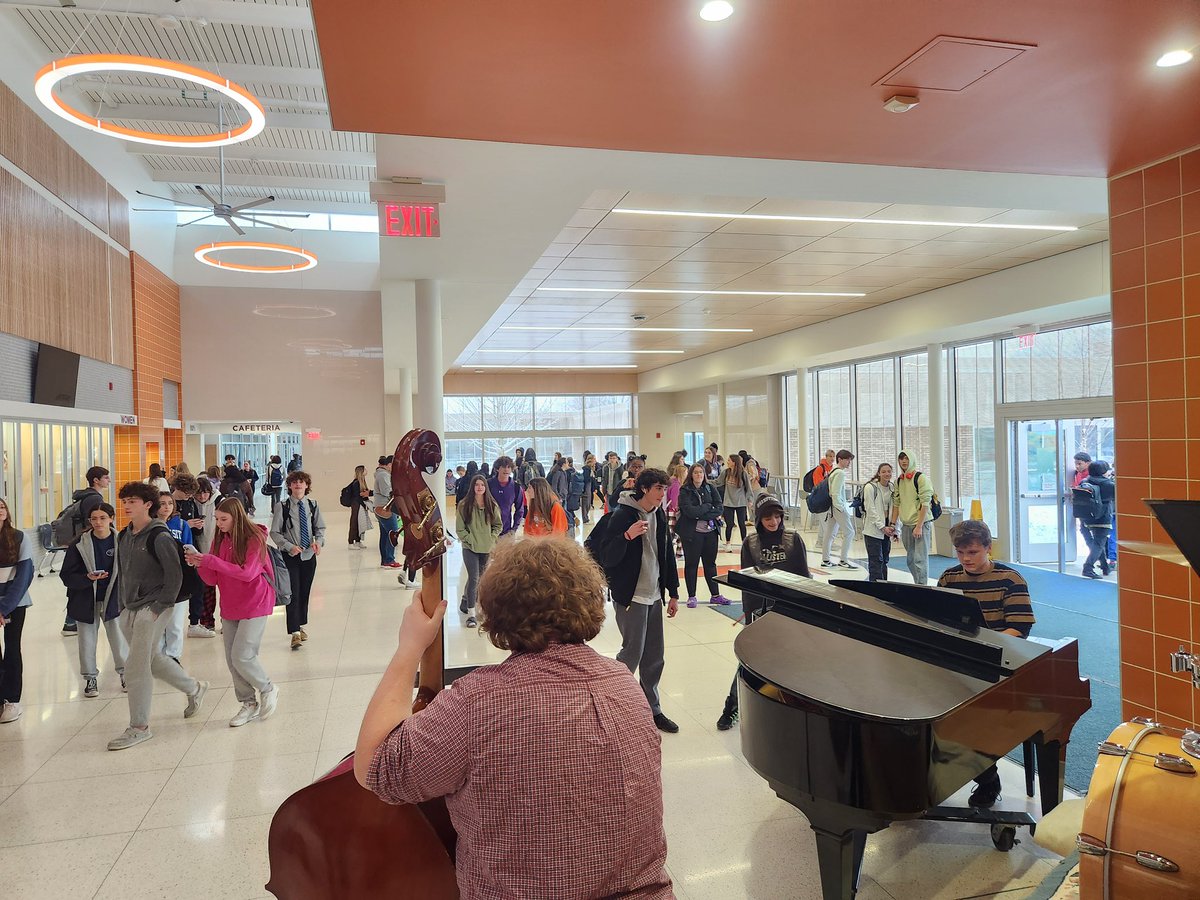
194,221
206,195
232,224
169,200
279,215
254,203
265,222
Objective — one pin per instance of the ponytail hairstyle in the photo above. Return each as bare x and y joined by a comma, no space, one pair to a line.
247,539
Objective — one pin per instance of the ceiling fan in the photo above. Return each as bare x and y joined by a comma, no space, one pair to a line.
224,211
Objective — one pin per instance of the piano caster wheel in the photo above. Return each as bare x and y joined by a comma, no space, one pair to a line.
1004,837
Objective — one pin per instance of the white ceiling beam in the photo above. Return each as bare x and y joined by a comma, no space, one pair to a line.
264,181
150,113
105,88
249,153
210,10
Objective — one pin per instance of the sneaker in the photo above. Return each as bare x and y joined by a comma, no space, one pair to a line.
196,700
131,737
199,631
70,629
408,583
728,717
826,564
692,602
719,600
471,622
662,723
124,689
392,565
296,641
1090,573
303,635
90,688
845,565
462,606
10,712
268,700
248,711
985,795
728,547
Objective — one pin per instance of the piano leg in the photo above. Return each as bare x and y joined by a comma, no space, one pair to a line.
1051,765
840,859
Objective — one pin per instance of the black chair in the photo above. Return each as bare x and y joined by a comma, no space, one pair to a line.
46,536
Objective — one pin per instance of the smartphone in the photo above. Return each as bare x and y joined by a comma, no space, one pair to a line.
98,573
188,548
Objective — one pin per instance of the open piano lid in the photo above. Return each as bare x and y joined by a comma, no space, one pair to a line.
1181,520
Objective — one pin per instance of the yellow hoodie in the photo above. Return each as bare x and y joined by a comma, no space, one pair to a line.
913,499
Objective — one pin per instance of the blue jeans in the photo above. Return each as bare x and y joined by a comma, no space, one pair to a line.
387,553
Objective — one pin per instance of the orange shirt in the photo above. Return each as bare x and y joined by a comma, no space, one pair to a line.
822,473
536,526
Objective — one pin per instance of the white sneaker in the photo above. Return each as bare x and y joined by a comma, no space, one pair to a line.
11,712
195,700
248,711
199,631
269,700
131,737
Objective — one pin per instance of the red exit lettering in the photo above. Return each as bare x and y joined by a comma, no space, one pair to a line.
410,219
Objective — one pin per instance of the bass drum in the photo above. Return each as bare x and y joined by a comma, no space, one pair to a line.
1141,821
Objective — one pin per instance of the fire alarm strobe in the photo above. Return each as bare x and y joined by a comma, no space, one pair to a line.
900,103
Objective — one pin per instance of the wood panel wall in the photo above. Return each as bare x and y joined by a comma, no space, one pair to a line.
60,283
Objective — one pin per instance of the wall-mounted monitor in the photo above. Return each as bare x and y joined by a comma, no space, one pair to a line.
56,376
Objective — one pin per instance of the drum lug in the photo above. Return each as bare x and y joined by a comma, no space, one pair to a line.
1154,861
1143,720
1190,744
1093,846
1090,846
1108,748
1177,764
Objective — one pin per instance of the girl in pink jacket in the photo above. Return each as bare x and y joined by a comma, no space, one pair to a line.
240,568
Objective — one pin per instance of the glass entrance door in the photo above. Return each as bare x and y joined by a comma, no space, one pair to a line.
1042,455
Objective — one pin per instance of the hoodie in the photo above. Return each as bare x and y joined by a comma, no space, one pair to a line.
638,571
912,499
247,591
150,571
511,499
82,593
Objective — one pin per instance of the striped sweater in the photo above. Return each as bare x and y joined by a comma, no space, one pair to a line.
1002,595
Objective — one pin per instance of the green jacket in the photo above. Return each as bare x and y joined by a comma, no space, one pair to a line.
912,499
480,537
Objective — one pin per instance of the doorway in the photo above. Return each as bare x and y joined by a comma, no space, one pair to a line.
693,443
1041,474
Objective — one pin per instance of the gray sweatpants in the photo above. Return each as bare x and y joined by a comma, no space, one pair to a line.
641,628
918,551
146,661
243,637
89,636
839,523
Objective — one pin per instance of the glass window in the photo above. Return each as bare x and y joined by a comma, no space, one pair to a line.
28,477
833,406
546,447
558,413
811,418
508,413
494,448
974,412
791,426
605,411
620,444
462,413
914,407
875,400
351,222
1059,365
460,451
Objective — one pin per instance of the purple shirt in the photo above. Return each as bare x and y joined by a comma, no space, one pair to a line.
511,499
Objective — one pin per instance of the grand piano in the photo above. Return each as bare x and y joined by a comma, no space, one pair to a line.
867,703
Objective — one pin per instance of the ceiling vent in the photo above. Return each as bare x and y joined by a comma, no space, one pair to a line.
952,64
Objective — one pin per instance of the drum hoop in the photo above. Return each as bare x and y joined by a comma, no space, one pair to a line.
1118,785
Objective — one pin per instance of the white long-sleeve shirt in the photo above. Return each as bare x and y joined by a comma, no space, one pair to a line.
837,490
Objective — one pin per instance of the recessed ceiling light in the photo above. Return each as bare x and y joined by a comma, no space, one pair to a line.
619,328
716,10
689,291
1174,58
544,350
563,368
294,312
844,220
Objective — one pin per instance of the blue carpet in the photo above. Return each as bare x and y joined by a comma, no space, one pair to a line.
1065,606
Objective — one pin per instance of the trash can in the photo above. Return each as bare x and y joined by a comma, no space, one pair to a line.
942,545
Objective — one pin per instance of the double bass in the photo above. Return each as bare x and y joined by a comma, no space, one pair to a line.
335,839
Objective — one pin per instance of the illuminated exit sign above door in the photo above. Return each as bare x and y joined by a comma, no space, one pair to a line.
409,219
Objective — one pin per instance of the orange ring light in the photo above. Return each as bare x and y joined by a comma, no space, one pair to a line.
309,258
49,77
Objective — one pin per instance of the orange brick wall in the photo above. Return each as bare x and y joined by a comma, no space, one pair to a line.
1155,243
157,356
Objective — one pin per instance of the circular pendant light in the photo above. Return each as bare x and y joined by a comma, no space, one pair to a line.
307,257
49,77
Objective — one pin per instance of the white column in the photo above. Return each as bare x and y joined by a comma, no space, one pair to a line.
802,462
721,442
776,439
397,406
937,422
429,413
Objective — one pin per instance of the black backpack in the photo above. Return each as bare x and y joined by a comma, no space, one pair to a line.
935,504
287,515
810,479
597,538
819,499
349,493
276,478
68,525
859,503
1086,501
191,578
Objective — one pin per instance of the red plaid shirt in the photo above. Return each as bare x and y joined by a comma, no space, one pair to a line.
552,772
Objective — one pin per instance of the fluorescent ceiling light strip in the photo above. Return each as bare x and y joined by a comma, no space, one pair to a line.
544,350
619,328
843,220
560,368
579,290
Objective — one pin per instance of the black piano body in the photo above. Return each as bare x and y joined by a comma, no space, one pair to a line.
861,711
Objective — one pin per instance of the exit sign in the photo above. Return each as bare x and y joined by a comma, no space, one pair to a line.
409,220
1026,341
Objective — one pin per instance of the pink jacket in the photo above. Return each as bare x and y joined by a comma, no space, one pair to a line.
246,591
673,495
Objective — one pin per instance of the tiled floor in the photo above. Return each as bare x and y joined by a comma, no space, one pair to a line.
186,814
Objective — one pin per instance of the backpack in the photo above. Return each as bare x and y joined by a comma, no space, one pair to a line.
280,578
67,525
819,499
859,503
764,477
1086,502
276,478
287,515
349,493
810,479
597,538
935,503
191,577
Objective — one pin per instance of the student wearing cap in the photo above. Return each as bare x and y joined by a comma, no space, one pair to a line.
769,546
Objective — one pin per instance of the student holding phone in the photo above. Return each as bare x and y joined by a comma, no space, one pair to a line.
89,571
